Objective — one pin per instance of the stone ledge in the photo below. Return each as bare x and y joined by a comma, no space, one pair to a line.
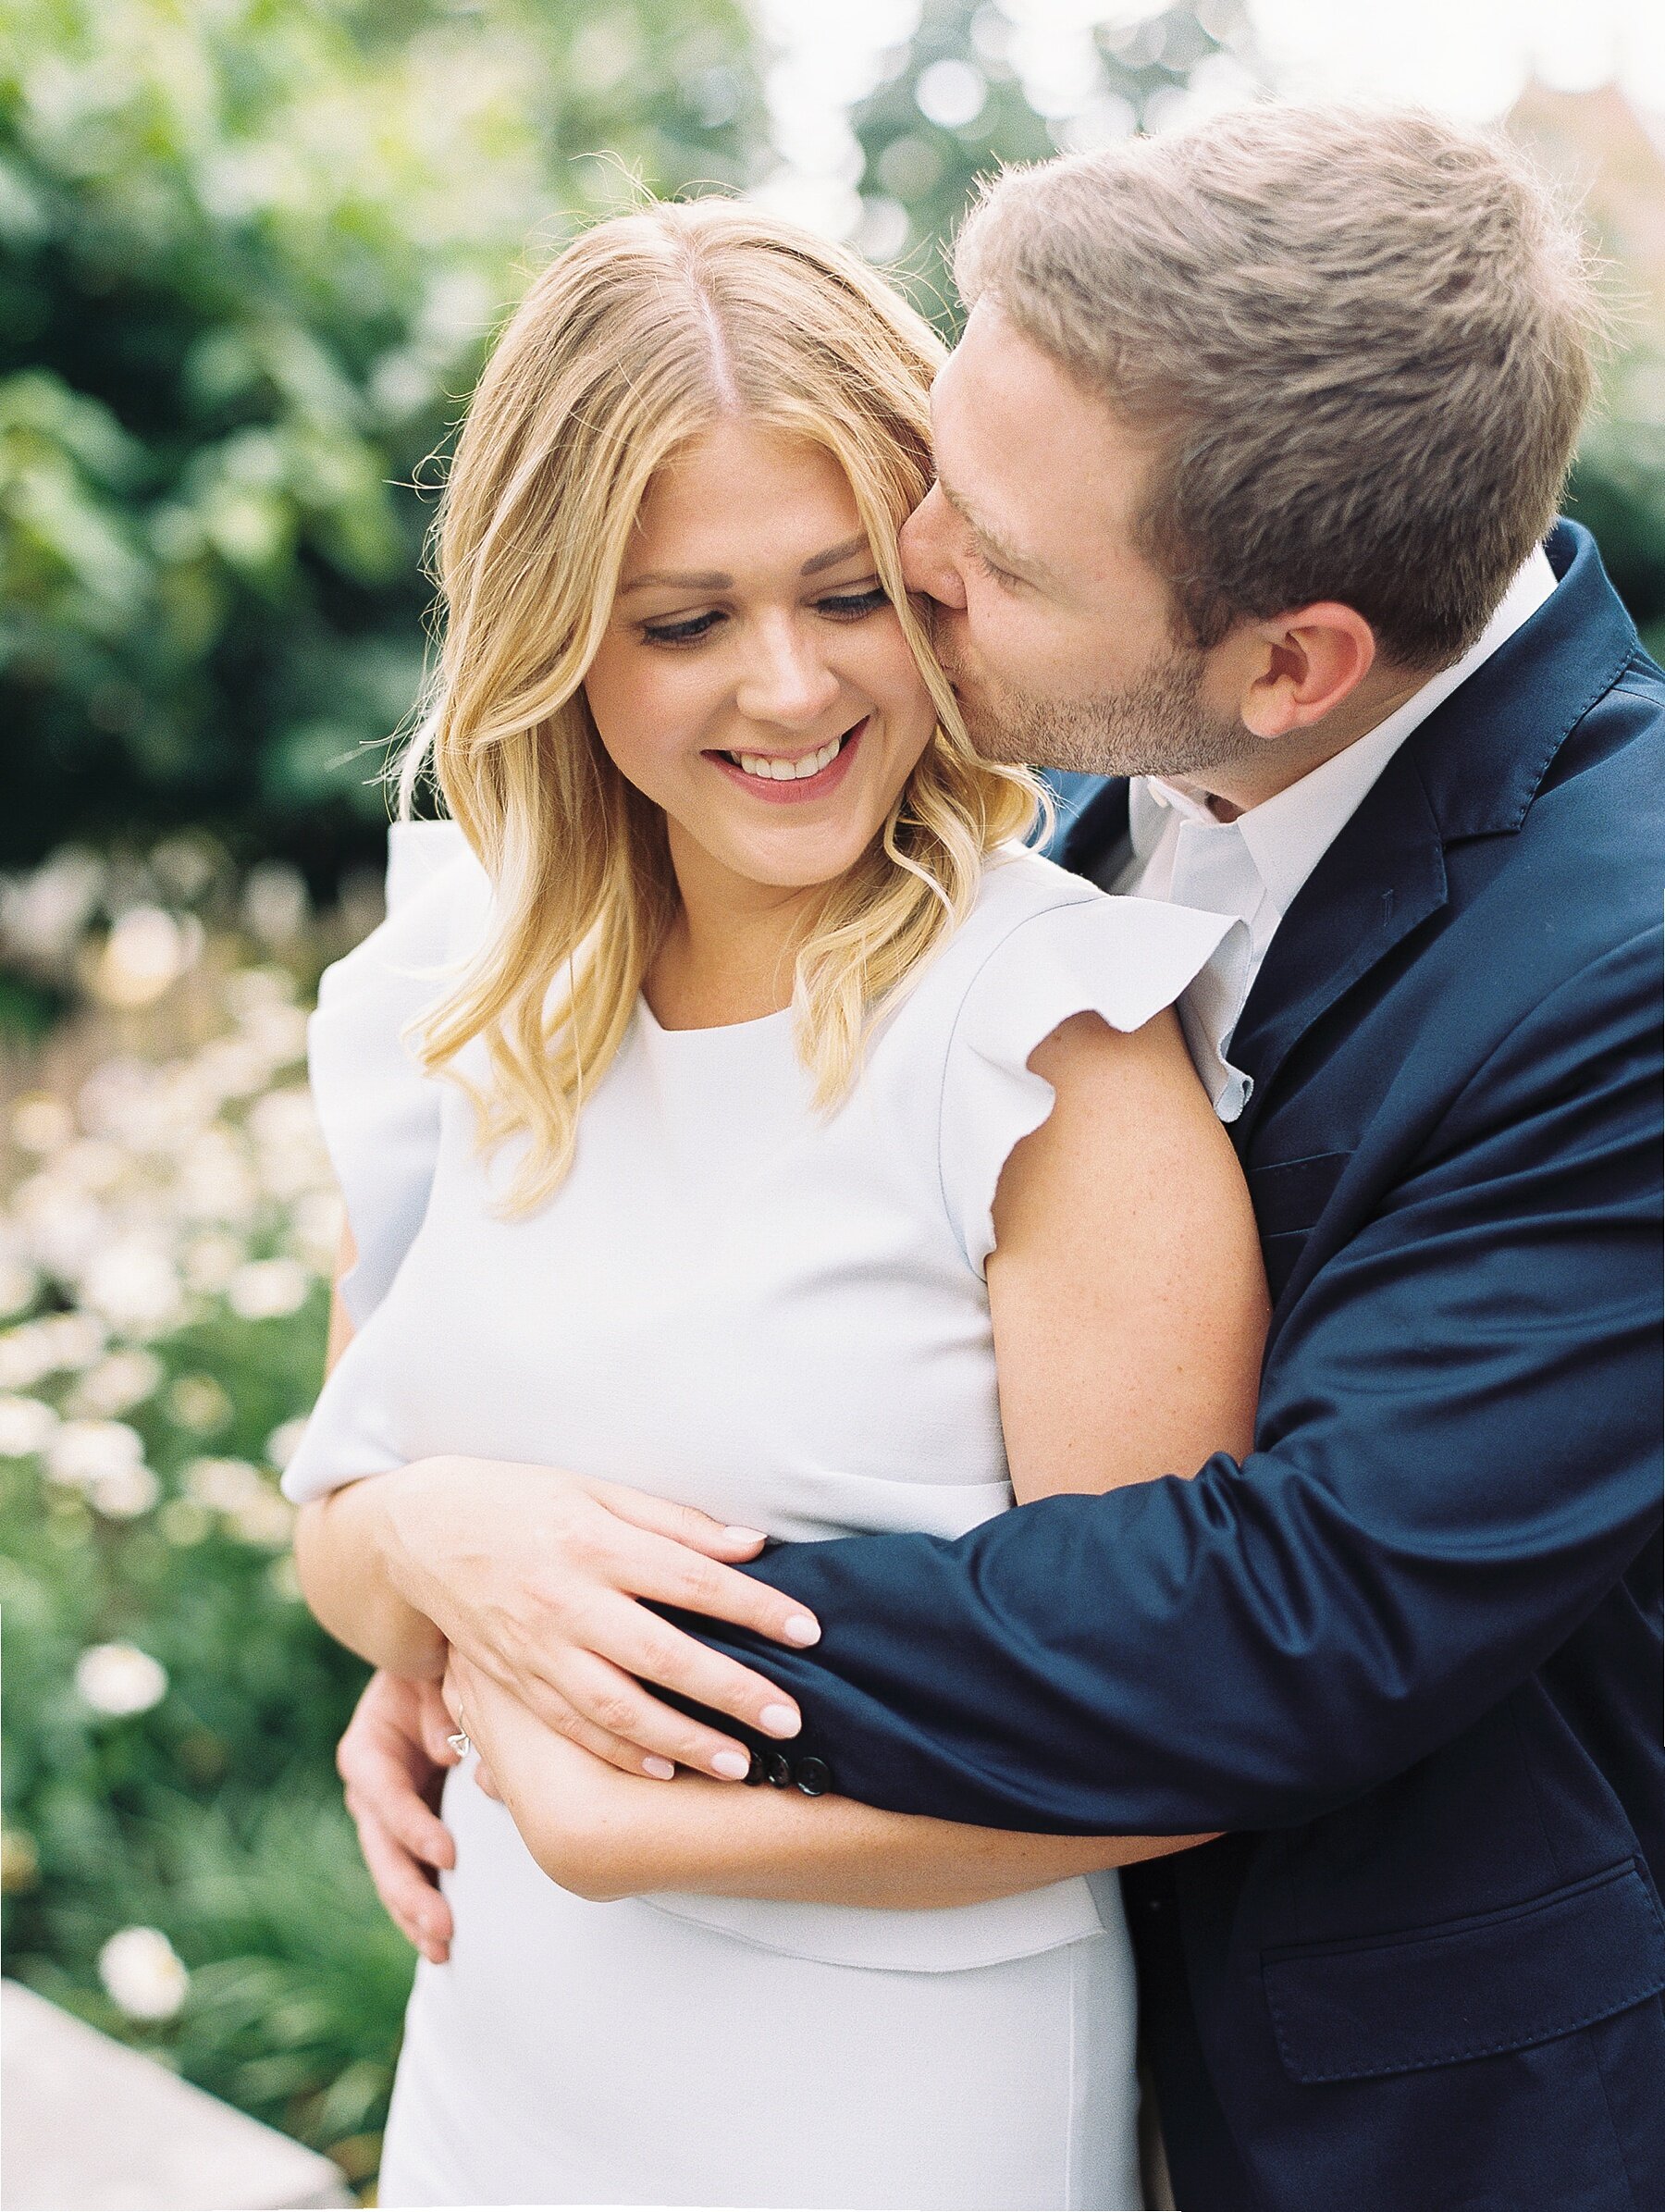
92,2126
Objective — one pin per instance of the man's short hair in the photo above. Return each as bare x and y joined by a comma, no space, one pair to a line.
1360,342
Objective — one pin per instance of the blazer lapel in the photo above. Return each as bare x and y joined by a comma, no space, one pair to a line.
1470,770
1383,876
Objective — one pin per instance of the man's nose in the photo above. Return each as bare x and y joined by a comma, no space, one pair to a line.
925,547
790,680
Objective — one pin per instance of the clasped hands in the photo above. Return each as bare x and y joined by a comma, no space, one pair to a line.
534,1577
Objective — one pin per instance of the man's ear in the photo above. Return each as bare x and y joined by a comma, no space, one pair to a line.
1307,664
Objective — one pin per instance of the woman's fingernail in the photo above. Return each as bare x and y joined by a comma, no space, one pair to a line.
743,1536
780,1720
660,1769
734,1766
801,1629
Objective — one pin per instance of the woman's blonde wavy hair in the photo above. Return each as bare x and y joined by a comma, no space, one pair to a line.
644,331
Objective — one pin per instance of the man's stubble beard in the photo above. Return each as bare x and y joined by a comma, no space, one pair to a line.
1158,725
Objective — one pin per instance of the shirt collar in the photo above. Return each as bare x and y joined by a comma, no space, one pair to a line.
1288,835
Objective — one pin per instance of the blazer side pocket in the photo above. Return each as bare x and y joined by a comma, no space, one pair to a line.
1470,1988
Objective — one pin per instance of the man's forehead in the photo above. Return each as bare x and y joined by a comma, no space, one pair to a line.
1016,489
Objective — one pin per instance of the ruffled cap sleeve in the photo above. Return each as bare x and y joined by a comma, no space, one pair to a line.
1124,959
379,1110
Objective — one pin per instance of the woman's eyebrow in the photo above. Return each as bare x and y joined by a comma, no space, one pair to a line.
835,555
708,579
714,579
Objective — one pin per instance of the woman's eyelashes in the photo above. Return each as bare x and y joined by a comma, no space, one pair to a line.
843,606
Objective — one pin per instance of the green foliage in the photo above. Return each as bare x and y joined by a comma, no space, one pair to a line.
250,260
927,168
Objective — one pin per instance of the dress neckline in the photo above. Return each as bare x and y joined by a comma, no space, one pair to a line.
758,1025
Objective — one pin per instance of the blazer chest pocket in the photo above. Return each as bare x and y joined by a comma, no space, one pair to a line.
1288,1196
1470,1988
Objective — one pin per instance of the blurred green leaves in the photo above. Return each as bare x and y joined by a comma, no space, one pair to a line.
251,258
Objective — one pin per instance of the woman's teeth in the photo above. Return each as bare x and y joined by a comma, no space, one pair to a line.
790,772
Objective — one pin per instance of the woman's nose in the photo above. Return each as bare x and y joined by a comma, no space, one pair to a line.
789,681
926,546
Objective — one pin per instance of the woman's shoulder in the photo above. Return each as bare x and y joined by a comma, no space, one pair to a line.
1037,933
378,1108
1040,946
1016,881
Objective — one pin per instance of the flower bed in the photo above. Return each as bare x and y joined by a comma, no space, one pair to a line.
178,1865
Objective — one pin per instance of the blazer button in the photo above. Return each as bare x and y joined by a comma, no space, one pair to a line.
779,1770
814,1777
755,1773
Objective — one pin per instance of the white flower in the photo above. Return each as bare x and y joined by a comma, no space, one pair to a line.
18,1284
143,1973
89,1452
133,1285
281,1444
217,1181
120,1679
199,1404
35,1349
41,1123
25,1426
223,1485
124,1492
279,1031
120,1381
92,1164
266,1290
276,907
47,911
146,953
316,1222
264,1519
252,988
284,1118
62,1227
211,1261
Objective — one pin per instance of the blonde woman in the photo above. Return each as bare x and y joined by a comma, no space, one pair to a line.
731,1106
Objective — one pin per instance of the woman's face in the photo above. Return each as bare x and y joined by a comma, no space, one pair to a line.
754,681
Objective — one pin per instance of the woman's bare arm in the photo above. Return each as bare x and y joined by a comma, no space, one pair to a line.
341,1551
1125,1285
606,1834
1130,1310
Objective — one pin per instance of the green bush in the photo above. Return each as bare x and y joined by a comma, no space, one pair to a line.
251,258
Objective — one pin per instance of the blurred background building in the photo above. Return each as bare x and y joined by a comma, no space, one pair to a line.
252,256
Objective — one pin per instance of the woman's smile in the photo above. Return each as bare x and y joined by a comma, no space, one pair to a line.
794,779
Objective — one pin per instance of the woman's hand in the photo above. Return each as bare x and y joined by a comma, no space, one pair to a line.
392,1761
575,1813
533,1575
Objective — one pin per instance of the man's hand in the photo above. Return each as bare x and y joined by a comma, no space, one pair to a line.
392,1759
533,1575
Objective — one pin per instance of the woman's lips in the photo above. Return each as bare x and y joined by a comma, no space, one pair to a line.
795,791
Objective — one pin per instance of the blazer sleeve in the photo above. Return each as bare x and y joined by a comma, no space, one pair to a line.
1458,1457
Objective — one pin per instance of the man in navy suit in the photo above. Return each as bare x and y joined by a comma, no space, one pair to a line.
1249,463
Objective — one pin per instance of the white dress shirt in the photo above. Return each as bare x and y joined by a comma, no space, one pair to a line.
1253,867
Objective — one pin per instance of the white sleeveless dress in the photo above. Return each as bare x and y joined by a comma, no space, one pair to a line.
780,1318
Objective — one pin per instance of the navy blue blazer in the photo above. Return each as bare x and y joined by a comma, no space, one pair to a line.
1408,1652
